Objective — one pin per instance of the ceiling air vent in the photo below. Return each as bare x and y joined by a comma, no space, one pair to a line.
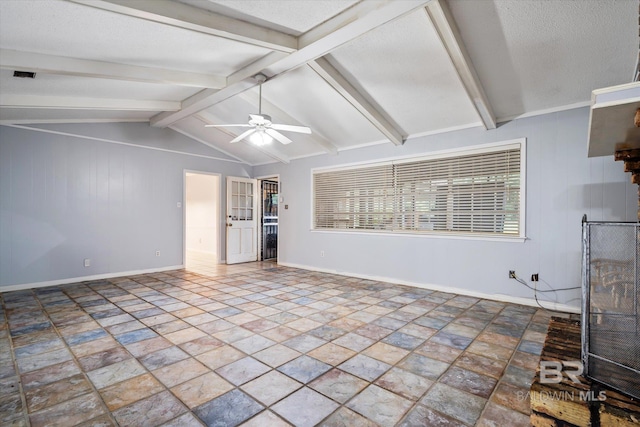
24,74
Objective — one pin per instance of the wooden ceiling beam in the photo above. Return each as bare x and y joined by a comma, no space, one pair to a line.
52,64
344,27
375,114
203,21
75,103
441,18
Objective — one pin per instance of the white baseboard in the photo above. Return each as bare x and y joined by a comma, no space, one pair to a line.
452,290
86,278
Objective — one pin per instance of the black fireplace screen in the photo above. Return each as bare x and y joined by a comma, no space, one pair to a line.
611,299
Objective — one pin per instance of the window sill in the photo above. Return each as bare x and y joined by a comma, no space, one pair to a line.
433,235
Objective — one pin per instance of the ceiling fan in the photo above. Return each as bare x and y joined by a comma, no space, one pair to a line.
263,131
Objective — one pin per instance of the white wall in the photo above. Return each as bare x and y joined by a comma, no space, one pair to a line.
562,185
201,212
64,199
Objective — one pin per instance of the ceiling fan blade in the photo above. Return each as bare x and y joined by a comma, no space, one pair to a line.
242,136
226,126
290,128
278,136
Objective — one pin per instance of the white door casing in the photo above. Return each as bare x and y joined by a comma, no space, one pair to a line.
242,220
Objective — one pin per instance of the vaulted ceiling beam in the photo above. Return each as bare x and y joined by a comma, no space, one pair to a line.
74,103
358,100
344,27
274,110
269,150
203,21
441,18
51,64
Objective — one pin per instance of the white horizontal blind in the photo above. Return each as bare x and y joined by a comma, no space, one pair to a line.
459,194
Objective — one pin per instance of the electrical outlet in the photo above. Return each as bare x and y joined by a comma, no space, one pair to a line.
321,254
87,262
534,277
157,253
512,274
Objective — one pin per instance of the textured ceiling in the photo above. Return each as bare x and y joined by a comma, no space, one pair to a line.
356,72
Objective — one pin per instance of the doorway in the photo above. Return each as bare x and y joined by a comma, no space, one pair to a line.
270,197
201,220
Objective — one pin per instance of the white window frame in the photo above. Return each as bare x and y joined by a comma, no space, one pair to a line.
472,150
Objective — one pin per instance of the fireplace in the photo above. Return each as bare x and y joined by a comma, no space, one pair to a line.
611,300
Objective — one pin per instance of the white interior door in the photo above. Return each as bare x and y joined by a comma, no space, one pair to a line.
242,221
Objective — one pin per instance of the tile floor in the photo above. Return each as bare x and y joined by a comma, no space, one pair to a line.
262,345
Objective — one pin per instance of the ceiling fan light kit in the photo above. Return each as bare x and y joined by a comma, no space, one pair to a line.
263,131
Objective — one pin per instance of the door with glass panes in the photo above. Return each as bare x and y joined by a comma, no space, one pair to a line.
242,222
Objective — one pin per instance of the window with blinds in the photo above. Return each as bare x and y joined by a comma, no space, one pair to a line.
477,192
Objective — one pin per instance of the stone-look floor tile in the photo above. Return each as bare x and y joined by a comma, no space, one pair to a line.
530,347
216,326
68,413
276,355
172,326
141,348
34,338
87,336
402,340
385,352
461,330
500,339
423,366
51,394
10,407
526,360
365,367
452,340
103,358
234,334
373,332
304,343
151,411
444,353
498,416
271,387
518,376
266,418
380,405
241,319
404,383
37,348
305,408
493,351
158,319
345,417
201,345
163,357
481,365
220,356
92,347
513,397
201,389
281,333
304,368
421,416
185,335
180,372
188,419
331,354
121,328
101,421
107,375
242,371
217,411
135,336
338,385
469,381
418,331
346,324
129,391
327,332
354,341
253,344
49,375
455,403
38,361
